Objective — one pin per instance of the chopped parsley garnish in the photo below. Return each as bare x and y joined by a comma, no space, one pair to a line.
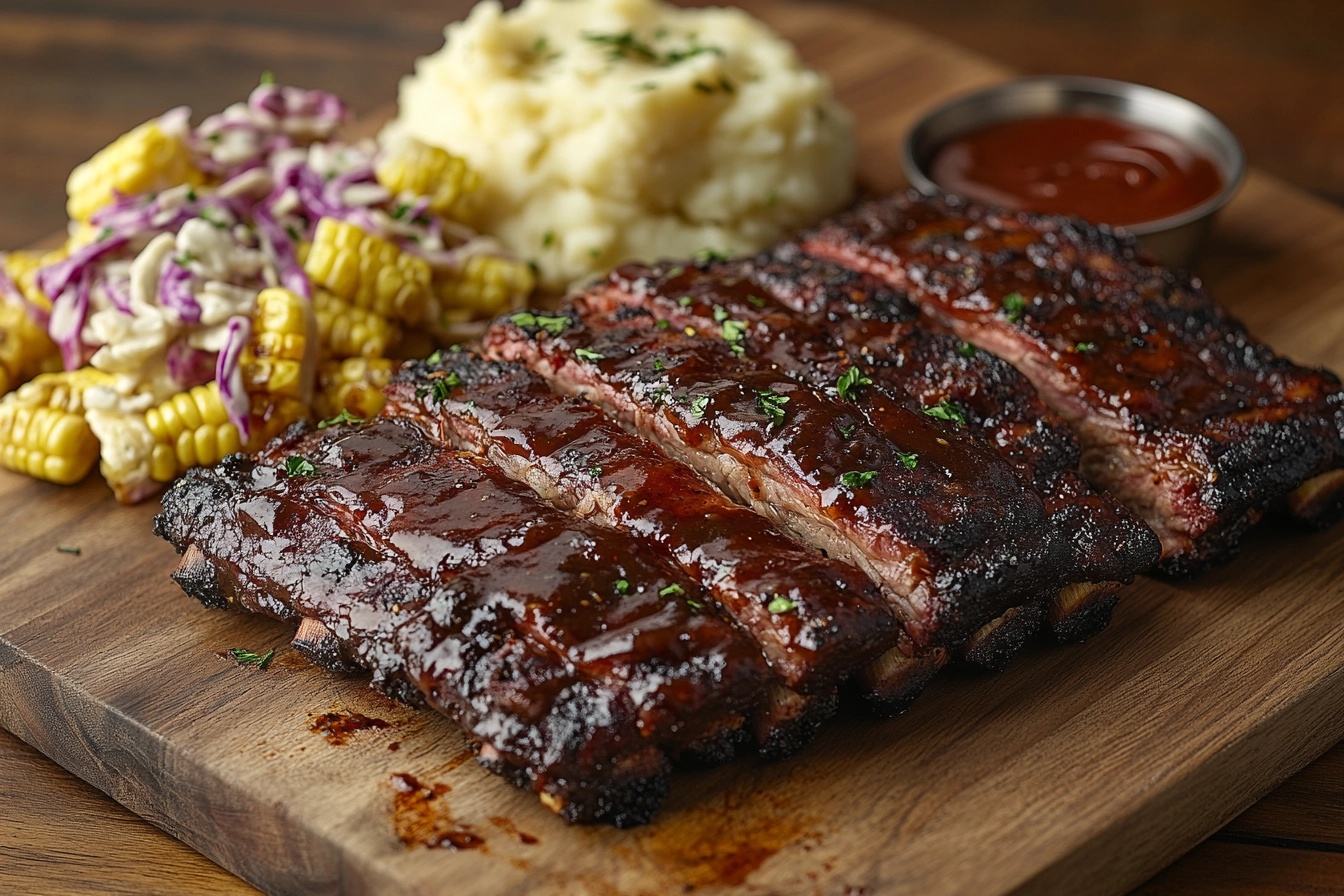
299,466
587,354
595,471
343,417
69,549
104,233
734,332
671,590
400,211
757,301
440,387
909,458
292,232
694,604
436,357
553,325
674,271
663,323
244,657
658,365
208,215
847,430
707,255
685,301
548,238
947,410
857,479
1014,306
966,350
772,405
624,45
622,586
720,314
267,77
699,405
1085,348
781,604
851,379
191,194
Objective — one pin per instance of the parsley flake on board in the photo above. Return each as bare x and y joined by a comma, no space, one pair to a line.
553,325
772,405
343,417
947,410
69,549
244,657
781,604
857,479
299,466
587,354
849,381
1014,306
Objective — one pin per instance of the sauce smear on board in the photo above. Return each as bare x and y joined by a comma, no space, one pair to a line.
1104,170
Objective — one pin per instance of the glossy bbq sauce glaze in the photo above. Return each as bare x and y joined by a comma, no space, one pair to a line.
1107,171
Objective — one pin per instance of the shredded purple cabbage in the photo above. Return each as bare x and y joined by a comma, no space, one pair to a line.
68,312
229,375
176,294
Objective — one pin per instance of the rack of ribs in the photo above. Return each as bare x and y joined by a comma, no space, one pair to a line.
817,321
1183,415
577,661
942,522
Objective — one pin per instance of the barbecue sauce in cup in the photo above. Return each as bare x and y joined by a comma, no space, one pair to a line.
1108,171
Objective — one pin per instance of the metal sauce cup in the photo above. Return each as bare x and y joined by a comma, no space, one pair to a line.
1172,239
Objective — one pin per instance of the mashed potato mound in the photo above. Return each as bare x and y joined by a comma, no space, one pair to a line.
610,130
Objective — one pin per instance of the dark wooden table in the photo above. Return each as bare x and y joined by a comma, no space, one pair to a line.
76,73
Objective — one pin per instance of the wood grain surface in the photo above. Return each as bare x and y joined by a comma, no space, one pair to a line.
1108,760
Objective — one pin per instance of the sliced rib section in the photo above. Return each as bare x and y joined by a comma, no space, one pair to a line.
816,620
1193,423
819,321
577,660
946,526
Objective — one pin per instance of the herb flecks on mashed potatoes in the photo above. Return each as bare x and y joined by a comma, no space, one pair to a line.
610,130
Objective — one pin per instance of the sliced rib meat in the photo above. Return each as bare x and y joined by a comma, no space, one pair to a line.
577,659
816,619
944,524
817,320
1194,424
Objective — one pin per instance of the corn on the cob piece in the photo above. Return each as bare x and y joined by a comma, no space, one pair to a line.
368,271
281,359
22,267
190,429
139,161
484,286
349,332
354,385
43,432
411,166
25,348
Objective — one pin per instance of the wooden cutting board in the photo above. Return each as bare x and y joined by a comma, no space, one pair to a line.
1081,769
